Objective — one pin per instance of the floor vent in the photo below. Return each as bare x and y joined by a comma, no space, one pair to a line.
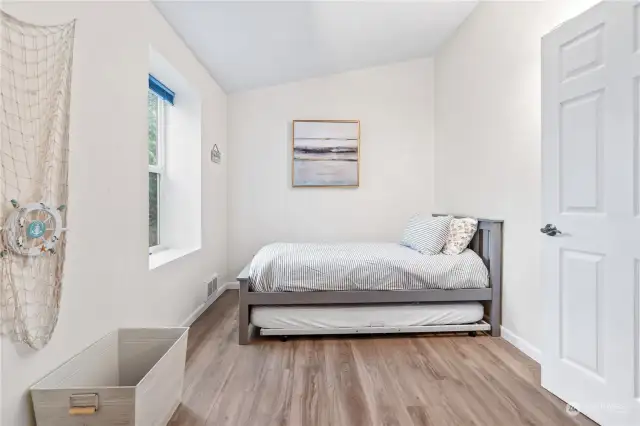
212,287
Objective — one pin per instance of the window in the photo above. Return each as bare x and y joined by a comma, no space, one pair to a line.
174,156
158,100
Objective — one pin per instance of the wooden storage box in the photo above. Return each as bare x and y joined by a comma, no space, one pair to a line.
131,377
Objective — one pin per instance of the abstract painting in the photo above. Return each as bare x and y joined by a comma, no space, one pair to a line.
326,153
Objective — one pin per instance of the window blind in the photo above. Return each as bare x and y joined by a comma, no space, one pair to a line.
161,90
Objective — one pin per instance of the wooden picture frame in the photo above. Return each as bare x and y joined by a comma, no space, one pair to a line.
325,153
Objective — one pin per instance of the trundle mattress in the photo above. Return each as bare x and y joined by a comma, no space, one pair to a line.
353,316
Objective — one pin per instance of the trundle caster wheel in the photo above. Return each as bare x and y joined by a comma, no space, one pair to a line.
284,338
473,333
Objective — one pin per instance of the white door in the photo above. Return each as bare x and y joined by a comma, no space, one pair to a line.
591,193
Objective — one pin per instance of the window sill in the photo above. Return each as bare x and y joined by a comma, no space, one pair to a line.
165,256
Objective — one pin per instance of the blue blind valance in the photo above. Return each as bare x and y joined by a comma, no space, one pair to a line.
161,90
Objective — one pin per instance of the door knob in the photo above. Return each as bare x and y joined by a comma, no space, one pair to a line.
550,230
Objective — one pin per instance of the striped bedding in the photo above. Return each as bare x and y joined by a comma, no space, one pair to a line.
361,266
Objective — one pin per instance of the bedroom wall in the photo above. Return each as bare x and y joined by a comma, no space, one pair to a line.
107,281
395,106
487,152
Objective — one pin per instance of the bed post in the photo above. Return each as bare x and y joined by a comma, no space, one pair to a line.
243,307
495,277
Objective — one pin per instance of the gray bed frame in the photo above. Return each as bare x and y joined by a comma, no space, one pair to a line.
487,243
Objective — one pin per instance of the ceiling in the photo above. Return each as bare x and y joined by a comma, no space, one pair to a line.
246,45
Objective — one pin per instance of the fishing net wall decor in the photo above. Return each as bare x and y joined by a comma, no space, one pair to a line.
35,80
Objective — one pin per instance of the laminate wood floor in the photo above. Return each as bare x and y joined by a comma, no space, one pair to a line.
362,381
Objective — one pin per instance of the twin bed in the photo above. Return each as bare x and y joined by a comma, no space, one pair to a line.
302,289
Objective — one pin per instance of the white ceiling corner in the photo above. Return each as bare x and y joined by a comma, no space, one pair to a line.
252,44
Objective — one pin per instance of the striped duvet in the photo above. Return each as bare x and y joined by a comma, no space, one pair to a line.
362,266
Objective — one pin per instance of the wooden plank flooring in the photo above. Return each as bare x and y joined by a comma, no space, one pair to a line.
313,381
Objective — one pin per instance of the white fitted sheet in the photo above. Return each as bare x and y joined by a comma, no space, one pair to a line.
351,316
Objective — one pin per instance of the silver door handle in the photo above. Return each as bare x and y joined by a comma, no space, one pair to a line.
550,230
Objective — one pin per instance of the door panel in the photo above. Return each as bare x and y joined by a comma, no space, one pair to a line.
636,147
636,314
636,29
581,149
581,311
582,54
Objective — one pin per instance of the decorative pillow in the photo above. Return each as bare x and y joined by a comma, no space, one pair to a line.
426,234
461,232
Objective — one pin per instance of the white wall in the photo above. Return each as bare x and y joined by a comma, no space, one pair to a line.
395,106
107,281
487,153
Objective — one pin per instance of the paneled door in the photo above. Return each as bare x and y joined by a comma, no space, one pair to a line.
591,213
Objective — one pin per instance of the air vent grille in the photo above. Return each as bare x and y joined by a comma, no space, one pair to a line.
212,287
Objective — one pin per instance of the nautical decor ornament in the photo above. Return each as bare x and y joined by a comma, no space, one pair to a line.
32,230
216,155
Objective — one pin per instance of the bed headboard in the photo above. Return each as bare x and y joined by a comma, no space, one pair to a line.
487,243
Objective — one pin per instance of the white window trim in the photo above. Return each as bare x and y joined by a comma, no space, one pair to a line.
168,255
159,169
157,249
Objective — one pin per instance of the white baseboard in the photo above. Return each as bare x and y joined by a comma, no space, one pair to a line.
525,347
203,307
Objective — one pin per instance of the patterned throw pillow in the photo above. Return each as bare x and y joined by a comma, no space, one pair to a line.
426,234
461,232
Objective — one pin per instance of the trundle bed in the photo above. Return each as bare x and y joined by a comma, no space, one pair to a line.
311,295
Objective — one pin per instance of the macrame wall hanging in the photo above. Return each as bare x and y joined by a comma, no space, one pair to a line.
35,80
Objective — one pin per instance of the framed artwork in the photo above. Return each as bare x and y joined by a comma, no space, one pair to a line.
326,153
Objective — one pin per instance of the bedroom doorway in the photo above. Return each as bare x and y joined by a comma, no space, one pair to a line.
591,205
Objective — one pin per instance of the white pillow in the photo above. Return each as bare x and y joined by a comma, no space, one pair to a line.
426,234
461,232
